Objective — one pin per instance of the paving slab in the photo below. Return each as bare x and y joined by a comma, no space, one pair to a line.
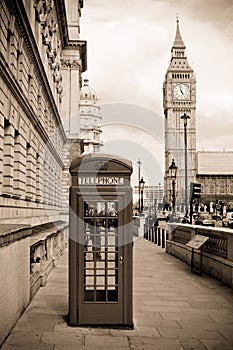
102,340
151,343
173,310
76,347
28,346
137,332
217,345
192,344
62,338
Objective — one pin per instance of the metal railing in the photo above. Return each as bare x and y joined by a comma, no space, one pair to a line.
216,245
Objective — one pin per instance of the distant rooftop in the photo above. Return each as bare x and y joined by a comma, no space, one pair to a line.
215,163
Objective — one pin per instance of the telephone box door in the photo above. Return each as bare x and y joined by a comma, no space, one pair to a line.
102,261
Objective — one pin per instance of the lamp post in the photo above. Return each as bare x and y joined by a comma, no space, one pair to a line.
185,117
173,171
139,175
159,192
142,184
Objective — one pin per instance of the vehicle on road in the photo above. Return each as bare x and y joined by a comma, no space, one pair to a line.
228,220
180,219
204,219
217,217
184,220
164,216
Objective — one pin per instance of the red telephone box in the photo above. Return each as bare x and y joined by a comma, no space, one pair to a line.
100,241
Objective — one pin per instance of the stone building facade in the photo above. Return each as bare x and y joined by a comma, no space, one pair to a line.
41,61
152,197
215,174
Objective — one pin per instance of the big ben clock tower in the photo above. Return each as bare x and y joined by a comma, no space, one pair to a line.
179,99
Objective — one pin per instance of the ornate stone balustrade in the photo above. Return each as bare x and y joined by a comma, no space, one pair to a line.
27,255
47,243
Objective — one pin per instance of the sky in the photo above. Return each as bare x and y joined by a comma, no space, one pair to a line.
128,52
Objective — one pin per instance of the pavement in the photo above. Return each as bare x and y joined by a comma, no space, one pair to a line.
173,309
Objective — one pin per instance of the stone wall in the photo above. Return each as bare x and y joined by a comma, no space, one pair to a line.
138,226
27,255
217,253
14,276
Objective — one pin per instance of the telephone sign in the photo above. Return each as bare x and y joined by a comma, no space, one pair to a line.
100,180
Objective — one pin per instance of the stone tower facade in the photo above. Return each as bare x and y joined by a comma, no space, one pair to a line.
179,98
90,119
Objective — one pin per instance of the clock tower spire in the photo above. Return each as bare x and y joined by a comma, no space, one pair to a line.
178,42
179,98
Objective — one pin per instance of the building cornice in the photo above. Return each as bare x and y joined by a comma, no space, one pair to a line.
10,233
214,175
82,46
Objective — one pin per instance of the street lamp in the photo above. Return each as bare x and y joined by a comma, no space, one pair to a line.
159,192
173,171
139,175
185,117
142,184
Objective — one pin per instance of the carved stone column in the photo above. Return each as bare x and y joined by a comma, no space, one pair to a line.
71,72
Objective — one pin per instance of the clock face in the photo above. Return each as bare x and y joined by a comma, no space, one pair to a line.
181,92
